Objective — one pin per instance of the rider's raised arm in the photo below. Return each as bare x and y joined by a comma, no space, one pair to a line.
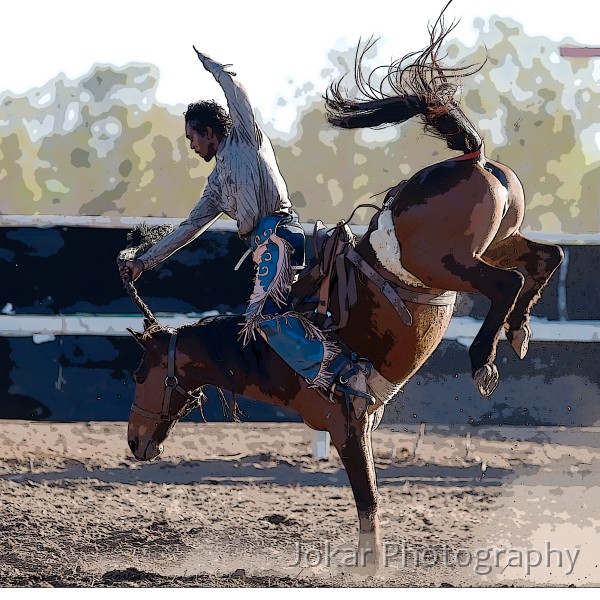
240,109
203,215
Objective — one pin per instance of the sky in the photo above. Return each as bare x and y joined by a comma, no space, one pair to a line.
275,46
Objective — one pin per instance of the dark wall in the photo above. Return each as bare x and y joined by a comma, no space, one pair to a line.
88,378
72,271
557,384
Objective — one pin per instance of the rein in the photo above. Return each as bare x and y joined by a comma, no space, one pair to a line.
171,383
137,300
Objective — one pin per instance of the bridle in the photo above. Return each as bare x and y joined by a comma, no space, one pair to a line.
171,383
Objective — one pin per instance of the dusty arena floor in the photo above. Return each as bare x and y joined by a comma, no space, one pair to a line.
247,505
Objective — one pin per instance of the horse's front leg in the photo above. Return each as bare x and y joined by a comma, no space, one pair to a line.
356,453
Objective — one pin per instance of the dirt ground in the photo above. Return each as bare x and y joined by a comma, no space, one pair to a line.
247,505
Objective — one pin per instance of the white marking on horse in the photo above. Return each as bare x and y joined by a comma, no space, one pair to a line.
387,250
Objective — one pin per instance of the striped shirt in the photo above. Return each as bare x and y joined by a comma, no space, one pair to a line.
245,184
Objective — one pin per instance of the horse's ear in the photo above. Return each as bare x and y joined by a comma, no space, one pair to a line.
139,337
147,324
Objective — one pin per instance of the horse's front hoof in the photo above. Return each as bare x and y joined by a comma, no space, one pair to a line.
366,571
519,340
486,379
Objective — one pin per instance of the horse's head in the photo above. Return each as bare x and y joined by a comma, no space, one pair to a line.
161,396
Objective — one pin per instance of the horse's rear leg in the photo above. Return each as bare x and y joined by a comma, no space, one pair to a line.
472,275
536,262
356,453
502,288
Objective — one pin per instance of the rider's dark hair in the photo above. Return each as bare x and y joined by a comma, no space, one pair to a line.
208,113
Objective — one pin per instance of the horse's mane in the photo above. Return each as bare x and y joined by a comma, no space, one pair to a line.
203,321
155,328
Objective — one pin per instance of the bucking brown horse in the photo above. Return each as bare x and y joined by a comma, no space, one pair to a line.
453,226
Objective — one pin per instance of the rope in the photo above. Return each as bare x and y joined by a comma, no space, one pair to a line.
377,208
141,238
137,300
341,224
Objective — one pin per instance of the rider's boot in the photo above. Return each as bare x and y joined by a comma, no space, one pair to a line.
349,378
319,362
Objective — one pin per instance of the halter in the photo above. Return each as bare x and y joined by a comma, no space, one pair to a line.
171,383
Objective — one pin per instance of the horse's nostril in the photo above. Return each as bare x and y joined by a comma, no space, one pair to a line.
133,443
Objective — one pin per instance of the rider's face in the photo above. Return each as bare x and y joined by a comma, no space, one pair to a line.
204,144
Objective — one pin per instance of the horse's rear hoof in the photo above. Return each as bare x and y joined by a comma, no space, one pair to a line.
519,340
486,379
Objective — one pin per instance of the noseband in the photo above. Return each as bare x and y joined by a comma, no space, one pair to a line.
171,383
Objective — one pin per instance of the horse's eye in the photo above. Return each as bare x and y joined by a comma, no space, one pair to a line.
139,378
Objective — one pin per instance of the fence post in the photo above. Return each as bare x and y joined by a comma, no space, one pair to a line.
320,445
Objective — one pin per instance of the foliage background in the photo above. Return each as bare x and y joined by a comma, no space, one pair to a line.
103,145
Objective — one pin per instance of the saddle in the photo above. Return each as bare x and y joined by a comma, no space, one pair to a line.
338,262
331,247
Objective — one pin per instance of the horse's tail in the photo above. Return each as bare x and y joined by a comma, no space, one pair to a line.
419,84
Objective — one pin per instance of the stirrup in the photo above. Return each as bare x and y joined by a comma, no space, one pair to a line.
349,395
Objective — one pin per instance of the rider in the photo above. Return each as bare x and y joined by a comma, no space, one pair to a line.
246,185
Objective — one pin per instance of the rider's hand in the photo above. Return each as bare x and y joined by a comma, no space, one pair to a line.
130,270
